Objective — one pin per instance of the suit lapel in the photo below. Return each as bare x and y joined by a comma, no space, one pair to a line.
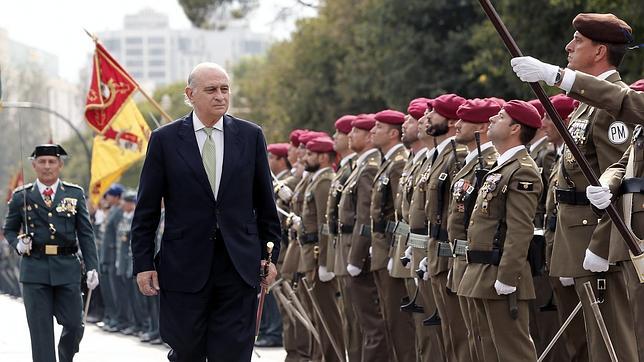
189,151
60,194
233,152
35,196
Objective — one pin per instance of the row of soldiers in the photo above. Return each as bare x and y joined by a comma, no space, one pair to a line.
462,230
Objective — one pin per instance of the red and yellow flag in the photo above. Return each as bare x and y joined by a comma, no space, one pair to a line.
123,134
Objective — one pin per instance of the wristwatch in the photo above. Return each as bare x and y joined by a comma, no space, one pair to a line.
559,76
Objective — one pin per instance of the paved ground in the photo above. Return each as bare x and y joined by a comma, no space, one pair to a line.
97,346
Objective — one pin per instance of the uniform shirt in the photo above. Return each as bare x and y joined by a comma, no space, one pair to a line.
347,158
218,137
569,78
509,153
392,150
475,152
42,187
537,143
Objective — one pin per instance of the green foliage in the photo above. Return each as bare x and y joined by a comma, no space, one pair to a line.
361,56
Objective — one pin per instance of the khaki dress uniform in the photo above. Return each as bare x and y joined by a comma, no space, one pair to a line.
439,179
354,218
429,336
603,140
313,253
336,261
464,193
400,235
499,236
572,345
400,325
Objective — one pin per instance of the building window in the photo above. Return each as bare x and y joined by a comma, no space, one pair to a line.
133,40
133,51
184,44
136,75
133,63
112,45
157,63
156,51
156,40
252,46
157,75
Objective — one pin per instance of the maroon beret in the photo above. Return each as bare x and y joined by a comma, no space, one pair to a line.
563,104
604,28
638,85
278,149
524,113
447,104
417,107
364,121
478,110
343,124
320,144
309,135
294,136
500,101
390,117
537,104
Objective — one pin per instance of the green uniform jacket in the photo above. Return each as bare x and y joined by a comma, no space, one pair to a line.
69,217
335,254
313,217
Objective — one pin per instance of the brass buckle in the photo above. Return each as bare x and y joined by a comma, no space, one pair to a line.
51,249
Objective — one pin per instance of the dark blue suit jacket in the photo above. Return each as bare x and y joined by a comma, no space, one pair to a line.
244,211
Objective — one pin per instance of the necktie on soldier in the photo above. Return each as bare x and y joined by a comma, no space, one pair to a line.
209,158
46,195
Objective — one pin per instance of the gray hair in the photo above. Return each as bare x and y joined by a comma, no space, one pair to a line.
191,77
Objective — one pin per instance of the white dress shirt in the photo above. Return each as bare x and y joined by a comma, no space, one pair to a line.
218,137
570,76
42,187
475,152
509,153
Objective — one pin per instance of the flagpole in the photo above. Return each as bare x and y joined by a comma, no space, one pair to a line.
145,94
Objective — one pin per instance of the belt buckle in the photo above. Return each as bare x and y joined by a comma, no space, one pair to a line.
601,283
51,249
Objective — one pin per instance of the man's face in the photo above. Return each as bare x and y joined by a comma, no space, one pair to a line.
128,206
311,161
423,124
581,52
210,93
301,152
47,168
341,142
358,139
500,127
275,163
465,131
292,154
550,129
380,134
409,130
438,124
112,200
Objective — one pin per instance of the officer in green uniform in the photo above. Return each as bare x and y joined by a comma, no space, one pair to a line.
46,223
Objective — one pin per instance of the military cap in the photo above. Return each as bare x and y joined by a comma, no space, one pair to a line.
537,104
320,144
417,107
524,113
478,110
129,196
638,85
278,149
390,116
343,124
500,101
115,190
447,104
604,28
294,136
563,104
364,121
49,150
309,135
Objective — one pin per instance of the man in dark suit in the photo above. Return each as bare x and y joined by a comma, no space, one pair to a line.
211,171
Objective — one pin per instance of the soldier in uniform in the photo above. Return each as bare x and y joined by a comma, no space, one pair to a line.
563,293
47,222
386,137
498,277
354,221
336,258
437,181
318,161
474,116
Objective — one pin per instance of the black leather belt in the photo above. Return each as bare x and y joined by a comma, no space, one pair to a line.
379,227
445,250
571,197
460,247
551,222
419,231
438,233
53,250
365,230
309,238
633,185
391,227
345,229
492,257
333,228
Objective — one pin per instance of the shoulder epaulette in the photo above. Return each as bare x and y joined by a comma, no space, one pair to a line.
72,185
527,162
23,187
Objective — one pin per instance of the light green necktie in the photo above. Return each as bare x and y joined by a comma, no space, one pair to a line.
209,158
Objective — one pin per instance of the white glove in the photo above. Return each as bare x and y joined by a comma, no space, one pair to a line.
390,265
325,275
503,289
599,196
423,266
408,256
24,245
92,279
353,270
296,220
595,263
285,193
566,282
532,70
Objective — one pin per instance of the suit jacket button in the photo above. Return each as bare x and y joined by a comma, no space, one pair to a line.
584,222
52,237
49,214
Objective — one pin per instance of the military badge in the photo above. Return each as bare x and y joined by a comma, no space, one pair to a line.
67,205
525,186
578,130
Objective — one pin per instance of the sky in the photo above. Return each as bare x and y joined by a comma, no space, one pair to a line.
57,26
